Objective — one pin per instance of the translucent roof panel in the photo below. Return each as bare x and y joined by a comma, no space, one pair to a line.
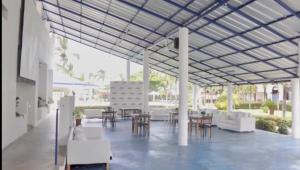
238,41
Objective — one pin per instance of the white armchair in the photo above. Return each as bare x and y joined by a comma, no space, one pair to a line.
237,121
87,146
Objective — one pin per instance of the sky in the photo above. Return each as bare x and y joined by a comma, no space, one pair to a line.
91,60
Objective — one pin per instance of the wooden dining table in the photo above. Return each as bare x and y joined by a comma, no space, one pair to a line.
125,110
198,121
109,115
141,123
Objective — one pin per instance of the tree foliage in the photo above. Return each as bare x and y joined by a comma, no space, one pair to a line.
221,102
158,81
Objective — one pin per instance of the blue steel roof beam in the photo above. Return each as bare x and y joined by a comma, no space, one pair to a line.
196,14
264,71
256,47
126,27
251,40
217,84
118,46
210,8
289,9
47,17
80,20
114,16
171,21
152,51
110,15
60,13
111,35
96,29
192,30
126,58
101,26
173,15
201,13
234,32
246,31
252,62
271,80
256,21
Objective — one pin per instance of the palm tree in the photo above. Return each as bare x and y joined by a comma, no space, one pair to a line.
64,64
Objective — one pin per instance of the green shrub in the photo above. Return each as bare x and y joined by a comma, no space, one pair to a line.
77,113
270,105
267,125
283,127
289,123
254,105
264,109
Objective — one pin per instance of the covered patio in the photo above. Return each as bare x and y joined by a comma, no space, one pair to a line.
207,43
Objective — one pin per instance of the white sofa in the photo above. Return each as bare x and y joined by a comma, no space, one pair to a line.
160,113
237,121
92,113
86,145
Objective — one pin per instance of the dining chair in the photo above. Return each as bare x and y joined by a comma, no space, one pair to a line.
207,124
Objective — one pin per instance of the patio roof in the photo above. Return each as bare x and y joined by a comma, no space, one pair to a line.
241,41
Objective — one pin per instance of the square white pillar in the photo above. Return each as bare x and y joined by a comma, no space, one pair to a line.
183,87
128,70
229,97
195,97
146,80
295,108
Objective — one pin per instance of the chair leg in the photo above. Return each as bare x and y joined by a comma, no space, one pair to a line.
210,132
107,166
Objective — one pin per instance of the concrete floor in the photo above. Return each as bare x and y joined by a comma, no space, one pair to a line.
225,150
34,150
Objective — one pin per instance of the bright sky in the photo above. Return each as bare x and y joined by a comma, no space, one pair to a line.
91,60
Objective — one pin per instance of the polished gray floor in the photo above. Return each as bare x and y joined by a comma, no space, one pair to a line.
225,150
34,150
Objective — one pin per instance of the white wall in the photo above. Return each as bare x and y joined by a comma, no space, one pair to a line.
9,72
43,81
12,126
50,84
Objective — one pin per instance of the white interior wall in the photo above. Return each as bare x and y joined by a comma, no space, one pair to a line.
12,126
10,28
43,81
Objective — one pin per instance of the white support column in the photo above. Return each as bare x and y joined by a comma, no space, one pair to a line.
146,81
200,100
229,97
299,58
128,70
296,101
295,108
195,97
183,87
